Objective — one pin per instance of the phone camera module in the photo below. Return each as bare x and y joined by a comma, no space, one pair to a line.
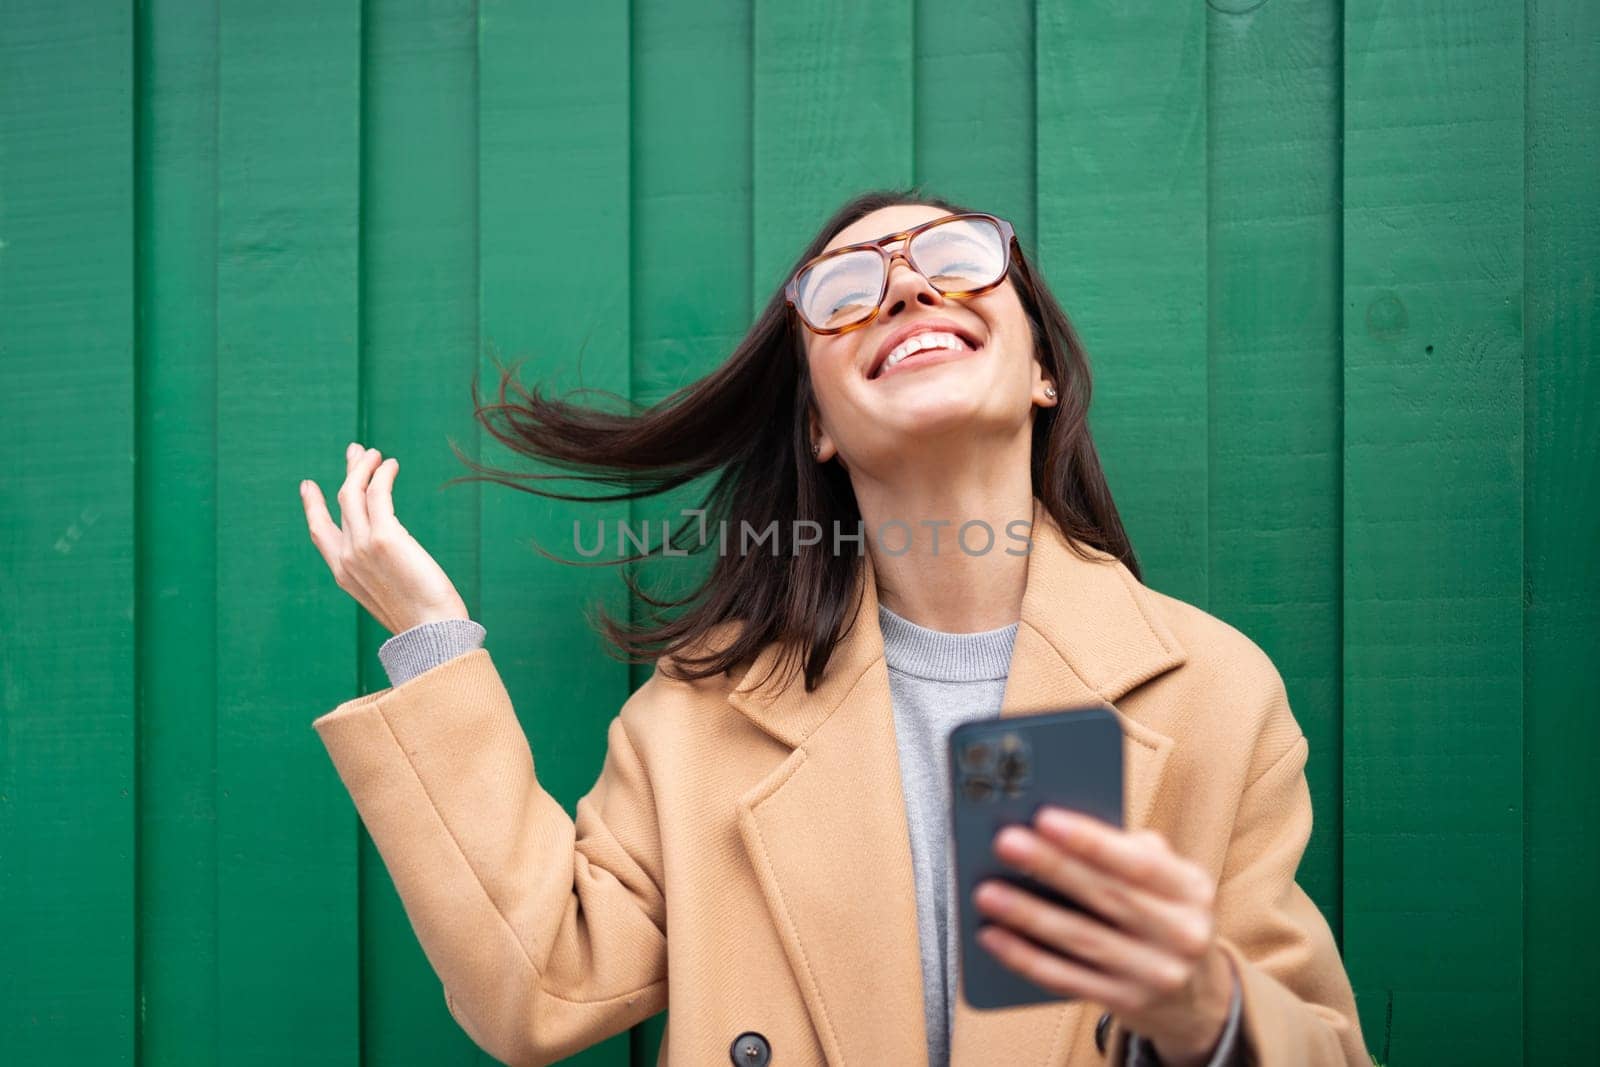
993,767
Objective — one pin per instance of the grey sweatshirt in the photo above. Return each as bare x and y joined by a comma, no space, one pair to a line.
937,681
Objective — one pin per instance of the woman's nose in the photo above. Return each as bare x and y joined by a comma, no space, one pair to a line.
907,284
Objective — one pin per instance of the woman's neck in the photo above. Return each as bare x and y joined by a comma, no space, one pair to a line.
945,579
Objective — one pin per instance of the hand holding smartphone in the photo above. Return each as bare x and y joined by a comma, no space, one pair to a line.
1002,771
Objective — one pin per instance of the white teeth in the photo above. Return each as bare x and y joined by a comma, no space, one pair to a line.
920,342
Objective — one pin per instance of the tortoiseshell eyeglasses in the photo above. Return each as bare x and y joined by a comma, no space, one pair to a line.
962,256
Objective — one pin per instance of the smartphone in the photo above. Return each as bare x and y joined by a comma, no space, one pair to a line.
1002,771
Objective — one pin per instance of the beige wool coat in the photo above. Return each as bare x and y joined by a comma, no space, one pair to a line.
744,856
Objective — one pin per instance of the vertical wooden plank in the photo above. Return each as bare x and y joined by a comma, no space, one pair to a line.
974,102
833,118
419,329
177,528
553,299
691,228
1122,237
691,243
288,220
1562,529
67,700
1275,381
1433,278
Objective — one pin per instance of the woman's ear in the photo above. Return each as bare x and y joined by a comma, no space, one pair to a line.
822,449
1045,392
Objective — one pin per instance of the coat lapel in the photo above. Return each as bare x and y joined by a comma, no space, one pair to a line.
826,830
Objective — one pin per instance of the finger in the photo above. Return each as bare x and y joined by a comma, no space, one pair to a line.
1082,936
324,534
380,493
353,497
1183,928
1061,976
1142,858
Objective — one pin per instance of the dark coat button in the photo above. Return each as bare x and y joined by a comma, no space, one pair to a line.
750,1049
1102,1025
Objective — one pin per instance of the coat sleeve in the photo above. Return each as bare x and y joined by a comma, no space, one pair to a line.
548,934
1298,1005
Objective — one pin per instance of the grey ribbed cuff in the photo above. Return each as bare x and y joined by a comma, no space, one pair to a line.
427,645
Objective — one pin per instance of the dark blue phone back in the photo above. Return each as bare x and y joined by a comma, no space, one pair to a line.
1002,771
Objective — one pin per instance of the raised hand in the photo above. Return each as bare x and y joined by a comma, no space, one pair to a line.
372,556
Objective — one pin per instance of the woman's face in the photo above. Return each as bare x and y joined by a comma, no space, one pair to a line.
870,420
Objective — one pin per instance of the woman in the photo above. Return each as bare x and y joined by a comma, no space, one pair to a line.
779,777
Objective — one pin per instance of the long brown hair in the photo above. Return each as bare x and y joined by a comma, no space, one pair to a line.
747,423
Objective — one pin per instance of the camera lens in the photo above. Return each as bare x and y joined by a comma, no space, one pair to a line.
977,756
978,788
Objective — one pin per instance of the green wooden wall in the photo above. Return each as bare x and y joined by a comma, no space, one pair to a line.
1335,265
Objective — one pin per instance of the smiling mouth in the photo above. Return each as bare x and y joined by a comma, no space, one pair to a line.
968,347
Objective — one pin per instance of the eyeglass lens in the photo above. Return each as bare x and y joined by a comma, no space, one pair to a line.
955,256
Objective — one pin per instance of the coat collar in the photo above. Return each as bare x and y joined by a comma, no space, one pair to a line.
826,830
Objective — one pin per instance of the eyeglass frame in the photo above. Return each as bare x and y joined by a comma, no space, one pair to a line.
791,291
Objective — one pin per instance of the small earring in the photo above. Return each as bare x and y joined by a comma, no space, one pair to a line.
1050,391
815,449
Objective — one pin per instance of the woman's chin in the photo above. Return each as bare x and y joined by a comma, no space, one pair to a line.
934,406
